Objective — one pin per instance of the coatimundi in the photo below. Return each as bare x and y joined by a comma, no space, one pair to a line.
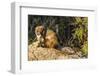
47,37
40,35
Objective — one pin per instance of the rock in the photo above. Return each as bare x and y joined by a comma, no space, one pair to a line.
40,53
79,53
73,56
68,50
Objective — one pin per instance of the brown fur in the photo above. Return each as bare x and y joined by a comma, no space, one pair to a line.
51,40
48,36
40,32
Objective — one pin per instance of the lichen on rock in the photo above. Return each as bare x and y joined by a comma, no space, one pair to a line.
41,53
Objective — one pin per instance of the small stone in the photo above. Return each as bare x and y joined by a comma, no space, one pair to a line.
68,50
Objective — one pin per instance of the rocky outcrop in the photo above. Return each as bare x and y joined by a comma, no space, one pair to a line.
40,53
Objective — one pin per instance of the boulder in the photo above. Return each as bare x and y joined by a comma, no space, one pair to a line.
42,53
